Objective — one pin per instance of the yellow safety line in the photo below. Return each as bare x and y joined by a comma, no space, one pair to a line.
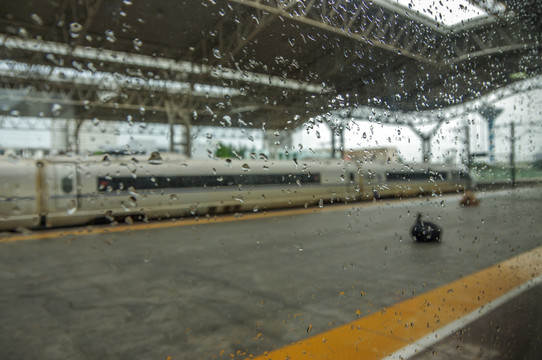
107,229
390,330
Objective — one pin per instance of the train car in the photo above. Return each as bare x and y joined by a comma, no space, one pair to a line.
72,191
405,180
193,187
67,191
19,194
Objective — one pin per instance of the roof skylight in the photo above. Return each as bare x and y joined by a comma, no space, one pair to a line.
444,12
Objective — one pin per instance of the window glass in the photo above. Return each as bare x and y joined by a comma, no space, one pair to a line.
270,179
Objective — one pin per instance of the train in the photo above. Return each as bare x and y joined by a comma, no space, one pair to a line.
72,191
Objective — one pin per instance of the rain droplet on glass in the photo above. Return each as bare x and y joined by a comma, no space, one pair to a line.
75,29
72,207
106,161
155,158
35,18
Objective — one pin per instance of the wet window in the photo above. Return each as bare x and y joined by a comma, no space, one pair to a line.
270,179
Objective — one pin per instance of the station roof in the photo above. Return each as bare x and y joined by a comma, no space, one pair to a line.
272,63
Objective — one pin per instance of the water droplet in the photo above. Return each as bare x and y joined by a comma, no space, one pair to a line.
245,167
75,29
106,161
110,35
72,207
217,54
108,215
300,247
118,76
173,197
137,43
35,18
227,120
22,32
321,203
263,157
124,207
127,2
155,158
56,109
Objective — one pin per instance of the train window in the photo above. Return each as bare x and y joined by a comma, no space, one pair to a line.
194,181
67,184
407,176
270,179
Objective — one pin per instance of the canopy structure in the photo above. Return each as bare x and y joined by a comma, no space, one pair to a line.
271,63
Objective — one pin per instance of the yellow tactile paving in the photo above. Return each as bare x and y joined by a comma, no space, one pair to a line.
387,331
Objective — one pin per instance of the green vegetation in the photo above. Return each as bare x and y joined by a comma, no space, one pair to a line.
485,172
228,151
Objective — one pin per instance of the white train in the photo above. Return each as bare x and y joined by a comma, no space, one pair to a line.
68,191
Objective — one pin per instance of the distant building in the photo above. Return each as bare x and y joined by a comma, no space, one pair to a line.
374,155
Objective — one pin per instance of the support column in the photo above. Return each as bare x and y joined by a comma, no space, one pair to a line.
426,148
170,112
333,149
490,113
341,134
59,137
171,137
426,139
186,118
173,112
467,146
67,142
491,131
513,154
334,128
76,133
